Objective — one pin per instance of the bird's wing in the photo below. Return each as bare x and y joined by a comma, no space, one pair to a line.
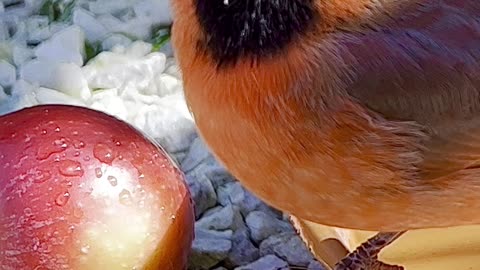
425,68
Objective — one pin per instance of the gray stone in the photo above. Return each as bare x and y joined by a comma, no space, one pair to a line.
204,168
235,193
222,218
287,246
197,153
252,203
212,211
209,248
263,225
218,175
202,193
179,156
243,251
231,192
220,268
316,265
269,262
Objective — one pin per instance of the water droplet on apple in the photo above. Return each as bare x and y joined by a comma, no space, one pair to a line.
103,153
98,172
85,249
57,146
62,198
140,192
112,180
70,168
61,143
78,144
41,176
125,197
27,212
78,212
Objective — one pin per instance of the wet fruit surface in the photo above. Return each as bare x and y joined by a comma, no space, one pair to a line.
83,190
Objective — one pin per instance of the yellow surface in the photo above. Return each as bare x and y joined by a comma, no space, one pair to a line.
456,248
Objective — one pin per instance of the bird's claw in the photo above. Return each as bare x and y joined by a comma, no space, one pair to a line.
365,257
370,264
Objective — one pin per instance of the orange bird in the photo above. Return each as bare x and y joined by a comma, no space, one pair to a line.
360,114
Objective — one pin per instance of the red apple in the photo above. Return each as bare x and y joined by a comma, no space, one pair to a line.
83,190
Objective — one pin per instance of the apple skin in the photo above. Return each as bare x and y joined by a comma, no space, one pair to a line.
80,189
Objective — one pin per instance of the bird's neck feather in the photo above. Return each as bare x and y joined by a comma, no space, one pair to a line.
253,79
259,29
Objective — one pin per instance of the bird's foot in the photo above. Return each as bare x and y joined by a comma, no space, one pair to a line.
365,257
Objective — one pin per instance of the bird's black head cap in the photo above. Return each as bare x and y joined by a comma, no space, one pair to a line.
234,29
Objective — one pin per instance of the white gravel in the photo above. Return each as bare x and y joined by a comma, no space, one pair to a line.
44,62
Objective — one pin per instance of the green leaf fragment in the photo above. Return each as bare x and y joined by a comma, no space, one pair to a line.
92,50
57,10
160,36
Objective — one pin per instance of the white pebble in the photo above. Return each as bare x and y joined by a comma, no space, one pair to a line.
167,84
67,45
139,28
37,71
37,28
21,55
4,35
167,122
3,95
113,106
172,68
50,96
94,30
108,7
156,62
22,95
157,10
108,70
138,49
68,78
7,74
6,50
115,40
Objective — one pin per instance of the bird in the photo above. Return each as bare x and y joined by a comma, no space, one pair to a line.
359,114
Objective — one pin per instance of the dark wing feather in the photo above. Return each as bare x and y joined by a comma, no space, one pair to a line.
424,66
